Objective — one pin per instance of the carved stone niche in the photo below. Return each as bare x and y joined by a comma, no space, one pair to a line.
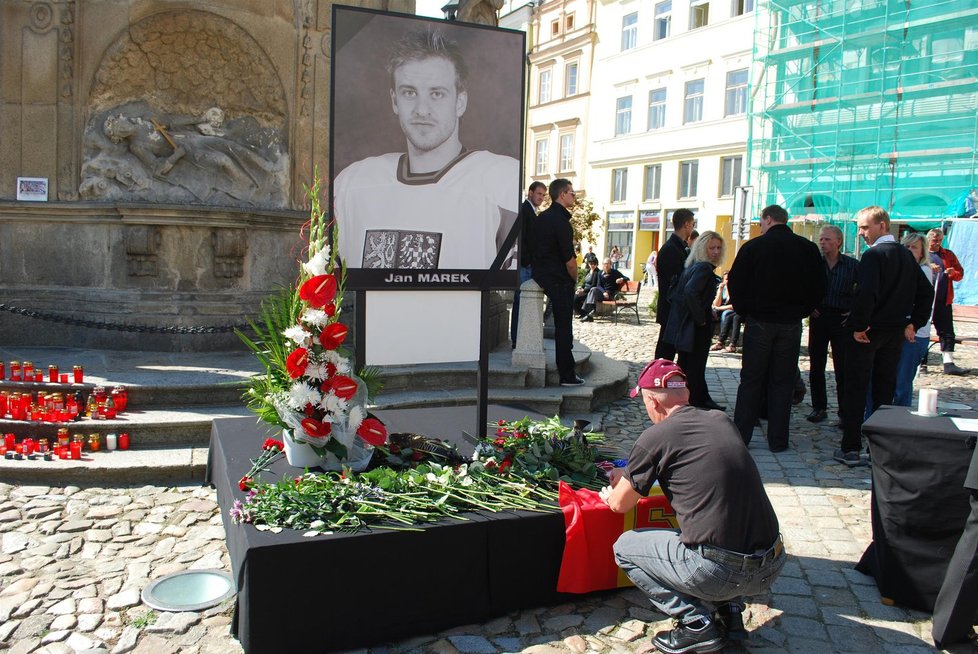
230,247
142,244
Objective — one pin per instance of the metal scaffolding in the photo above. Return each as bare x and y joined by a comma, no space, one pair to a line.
860,102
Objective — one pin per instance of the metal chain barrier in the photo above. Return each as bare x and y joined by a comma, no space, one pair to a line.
121,327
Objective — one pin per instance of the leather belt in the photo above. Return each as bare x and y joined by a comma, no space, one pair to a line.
743,561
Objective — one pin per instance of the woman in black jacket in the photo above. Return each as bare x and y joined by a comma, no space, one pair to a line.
690,326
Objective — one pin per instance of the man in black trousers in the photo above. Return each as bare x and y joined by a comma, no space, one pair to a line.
893,300
775,281
551,245
827,323
669,265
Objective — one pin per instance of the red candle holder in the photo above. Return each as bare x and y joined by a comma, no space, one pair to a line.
63,377
124,441
75,450
53,373
79,373
9,440
15,371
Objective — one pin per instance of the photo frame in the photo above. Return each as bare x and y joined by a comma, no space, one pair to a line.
402,225
32,189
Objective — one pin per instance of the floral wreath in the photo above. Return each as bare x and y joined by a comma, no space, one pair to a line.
309,387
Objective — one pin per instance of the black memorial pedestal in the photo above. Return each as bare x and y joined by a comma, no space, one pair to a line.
919,506
342,591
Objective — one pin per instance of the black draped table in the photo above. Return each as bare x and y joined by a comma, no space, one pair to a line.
342,591
919,506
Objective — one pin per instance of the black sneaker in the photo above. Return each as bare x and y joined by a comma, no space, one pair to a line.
573,381
953,369
731,619
851,459
701,636
817,415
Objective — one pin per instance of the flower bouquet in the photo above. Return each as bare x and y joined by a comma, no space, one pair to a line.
309,387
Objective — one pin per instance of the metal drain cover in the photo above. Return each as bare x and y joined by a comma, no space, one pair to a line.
190,590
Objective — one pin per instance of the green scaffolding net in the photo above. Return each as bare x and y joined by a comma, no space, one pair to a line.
862,102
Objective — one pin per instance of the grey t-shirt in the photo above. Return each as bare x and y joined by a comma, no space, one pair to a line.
710,479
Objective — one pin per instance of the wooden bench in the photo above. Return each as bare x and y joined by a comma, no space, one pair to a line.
625,300
962,314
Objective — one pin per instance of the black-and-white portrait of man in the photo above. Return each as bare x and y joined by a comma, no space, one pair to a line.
441,192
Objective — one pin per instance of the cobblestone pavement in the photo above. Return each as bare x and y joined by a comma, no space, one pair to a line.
73,561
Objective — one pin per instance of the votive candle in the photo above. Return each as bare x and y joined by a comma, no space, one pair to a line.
927,402
79,374
111,442
124,441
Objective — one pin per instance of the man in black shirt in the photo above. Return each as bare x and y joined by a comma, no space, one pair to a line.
669,265
827,322
551,244
528,211
893,300
728,544
775,281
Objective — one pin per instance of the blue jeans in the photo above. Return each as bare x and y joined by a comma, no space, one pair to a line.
526,273
910,357
682,582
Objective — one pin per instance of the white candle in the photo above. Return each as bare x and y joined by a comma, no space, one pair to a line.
927,402
110,442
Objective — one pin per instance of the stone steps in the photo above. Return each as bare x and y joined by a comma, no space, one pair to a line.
174,398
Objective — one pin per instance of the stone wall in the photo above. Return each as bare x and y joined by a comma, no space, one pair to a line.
176,138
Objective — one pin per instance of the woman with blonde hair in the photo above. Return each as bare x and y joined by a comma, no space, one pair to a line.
690,326
913,353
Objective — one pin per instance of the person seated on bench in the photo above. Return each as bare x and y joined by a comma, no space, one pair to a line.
590,280
609,283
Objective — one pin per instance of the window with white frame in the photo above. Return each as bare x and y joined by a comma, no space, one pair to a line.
623,115
657,108
543,156
629,31
653,182
663,20
619,184
688,173
693,103
566,152
730,175
735,102
546,76
699,13
741,7
570,79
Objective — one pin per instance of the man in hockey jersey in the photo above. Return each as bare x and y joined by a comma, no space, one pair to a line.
438,205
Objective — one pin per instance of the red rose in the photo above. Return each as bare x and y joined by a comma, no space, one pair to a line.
329,309
372,431
316,428
330,370
318,291
343,386
333,336
296,363
244,483
416,455
504,466
501,422
272,444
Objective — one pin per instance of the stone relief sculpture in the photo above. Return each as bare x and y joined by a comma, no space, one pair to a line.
186,108
483,12
136,153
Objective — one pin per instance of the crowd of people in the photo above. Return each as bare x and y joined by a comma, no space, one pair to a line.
875,317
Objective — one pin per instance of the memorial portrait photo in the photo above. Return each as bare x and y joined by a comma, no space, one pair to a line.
425,150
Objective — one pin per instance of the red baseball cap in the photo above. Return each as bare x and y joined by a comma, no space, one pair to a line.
660,373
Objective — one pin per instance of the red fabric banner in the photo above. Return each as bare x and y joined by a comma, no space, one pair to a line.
591,529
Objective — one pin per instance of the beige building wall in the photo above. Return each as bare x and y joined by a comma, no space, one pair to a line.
559,93
640,162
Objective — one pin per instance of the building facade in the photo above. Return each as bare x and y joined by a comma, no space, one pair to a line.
668,117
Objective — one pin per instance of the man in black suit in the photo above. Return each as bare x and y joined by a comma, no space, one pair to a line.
776,280
669,265
551,245
893,300
528,211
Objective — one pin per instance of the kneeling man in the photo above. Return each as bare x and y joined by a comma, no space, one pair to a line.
728,545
